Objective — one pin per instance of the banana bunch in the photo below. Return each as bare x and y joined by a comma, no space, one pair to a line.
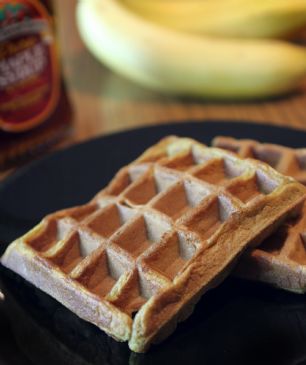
169,52
227,18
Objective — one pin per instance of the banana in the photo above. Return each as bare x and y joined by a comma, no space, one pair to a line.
175,62
227,18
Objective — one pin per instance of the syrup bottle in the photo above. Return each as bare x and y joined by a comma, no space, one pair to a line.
34,108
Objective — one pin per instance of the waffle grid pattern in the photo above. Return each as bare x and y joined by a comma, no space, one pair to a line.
286,160
281,258
142,233
152,228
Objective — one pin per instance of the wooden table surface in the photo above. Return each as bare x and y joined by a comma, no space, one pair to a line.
105,102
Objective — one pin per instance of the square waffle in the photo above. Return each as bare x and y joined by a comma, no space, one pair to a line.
281,258
168,227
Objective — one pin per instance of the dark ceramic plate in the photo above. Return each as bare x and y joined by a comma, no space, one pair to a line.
237,323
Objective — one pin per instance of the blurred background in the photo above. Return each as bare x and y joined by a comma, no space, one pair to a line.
104,102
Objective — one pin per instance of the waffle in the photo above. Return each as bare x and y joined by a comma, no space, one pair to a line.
167,228
286,160
281,259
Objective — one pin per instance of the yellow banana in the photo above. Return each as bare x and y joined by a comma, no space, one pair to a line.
227,18
171,61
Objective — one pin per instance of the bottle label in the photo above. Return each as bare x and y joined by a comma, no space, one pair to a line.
29,74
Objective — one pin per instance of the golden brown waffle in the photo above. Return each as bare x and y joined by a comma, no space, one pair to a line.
281,258
169,226
286,160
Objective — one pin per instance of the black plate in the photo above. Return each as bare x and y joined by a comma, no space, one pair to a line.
237,323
